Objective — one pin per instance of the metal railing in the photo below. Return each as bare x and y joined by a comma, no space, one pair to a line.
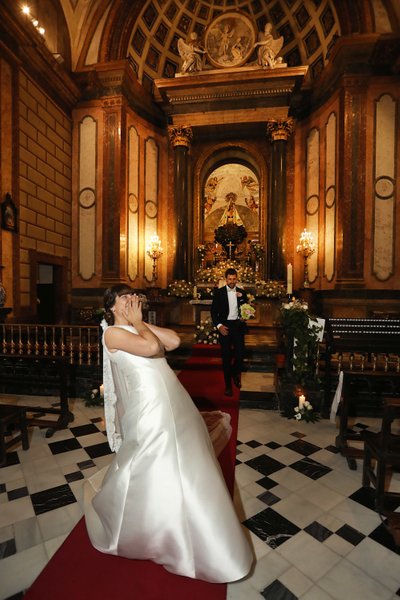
76,344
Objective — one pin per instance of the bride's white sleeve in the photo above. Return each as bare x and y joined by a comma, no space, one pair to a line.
110,400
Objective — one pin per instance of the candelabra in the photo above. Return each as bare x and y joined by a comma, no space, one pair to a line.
306,248
155,251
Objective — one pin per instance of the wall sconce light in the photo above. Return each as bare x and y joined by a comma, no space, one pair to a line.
154,251
306,248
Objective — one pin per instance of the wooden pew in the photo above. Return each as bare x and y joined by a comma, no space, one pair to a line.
368,353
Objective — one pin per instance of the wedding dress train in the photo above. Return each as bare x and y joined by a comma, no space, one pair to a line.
163,497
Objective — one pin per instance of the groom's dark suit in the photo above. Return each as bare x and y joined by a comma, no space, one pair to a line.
232,345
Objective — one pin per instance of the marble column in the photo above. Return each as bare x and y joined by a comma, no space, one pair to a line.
351,184
113,261
180,138
278,131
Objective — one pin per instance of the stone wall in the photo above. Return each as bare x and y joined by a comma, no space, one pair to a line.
45,147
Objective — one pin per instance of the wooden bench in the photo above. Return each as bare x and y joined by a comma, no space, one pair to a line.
12,417
359,345
41,374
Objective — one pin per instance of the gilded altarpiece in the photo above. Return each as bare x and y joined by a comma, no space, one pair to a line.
231,194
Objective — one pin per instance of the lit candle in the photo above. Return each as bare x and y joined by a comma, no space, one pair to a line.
101,390
289,289
195,292
302,399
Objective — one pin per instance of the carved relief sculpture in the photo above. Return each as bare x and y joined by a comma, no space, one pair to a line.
229,40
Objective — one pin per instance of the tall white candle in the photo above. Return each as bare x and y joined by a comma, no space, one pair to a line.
101,390
289,278
302,399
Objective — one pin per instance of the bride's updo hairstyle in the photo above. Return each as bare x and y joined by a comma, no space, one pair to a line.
110,295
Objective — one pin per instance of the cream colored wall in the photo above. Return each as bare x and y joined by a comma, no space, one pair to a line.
374,139
44,179
139,168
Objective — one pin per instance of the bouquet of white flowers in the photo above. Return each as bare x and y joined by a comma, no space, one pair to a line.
206,333
247,311
305,413
94,396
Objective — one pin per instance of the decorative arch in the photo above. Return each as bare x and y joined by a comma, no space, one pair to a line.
215,160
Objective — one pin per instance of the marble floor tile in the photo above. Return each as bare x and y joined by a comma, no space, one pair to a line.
314,533
346,580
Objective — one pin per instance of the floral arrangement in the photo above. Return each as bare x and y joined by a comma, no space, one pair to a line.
201,251
257,249
214,274
302,332
305,412
180,288
206,333
205,293
270,289
94,397
230,232
247,311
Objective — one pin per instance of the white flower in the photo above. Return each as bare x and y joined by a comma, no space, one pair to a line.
247,311
309,407
298,416
306,403
296,409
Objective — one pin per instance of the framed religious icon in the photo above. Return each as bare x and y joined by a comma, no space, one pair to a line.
229,40
9,214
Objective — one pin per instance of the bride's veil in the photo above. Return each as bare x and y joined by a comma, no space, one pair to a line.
110,399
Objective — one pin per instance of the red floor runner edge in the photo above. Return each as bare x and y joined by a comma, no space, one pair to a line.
79,572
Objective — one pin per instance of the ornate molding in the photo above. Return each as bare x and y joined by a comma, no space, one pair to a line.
280,129
180,136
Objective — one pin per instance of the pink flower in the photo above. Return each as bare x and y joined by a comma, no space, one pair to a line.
239,294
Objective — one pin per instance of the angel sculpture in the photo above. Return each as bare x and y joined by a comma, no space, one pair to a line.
269,48
190,52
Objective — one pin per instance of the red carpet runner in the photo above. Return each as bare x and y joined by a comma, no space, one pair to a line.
79,572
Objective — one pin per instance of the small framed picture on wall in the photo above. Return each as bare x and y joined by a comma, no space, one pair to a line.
9,214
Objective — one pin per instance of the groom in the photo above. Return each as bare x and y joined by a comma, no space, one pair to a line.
225,313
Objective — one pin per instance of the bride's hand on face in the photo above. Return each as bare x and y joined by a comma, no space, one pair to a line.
133,311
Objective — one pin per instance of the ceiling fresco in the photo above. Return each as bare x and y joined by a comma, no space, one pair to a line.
83,33
309,29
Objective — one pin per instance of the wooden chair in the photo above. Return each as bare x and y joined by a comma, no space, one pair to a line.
12,417
384,449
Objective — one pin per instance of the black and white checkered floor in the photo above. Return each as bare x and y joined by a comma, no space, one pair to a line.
311,523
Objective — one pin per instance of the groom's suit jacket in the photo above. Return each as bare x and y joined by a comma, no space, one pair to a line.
220,304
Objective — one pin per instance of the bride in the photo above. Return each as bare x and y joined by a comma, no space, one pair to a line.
163,498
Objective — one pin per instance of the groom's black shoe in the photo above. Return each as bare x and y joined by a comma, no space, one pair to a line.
228,391
237,381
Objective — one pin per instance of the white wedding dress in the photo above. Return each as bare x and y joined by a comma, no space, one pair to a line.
163,498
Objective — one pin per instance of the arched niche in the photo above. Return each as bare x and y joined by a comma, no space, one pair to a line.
227,173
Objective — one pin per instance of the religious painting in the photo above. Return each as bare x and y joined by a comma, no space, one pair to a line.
231,194
230,39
